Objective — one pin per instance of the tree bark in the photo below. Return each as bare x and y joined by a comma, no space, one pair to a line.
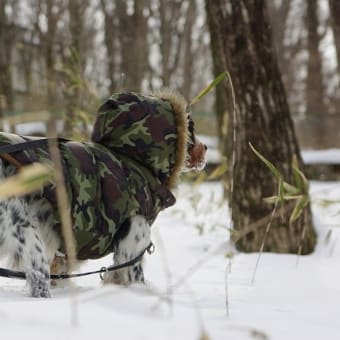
219,65
314,83
110,32
6,46
188,51
171,37
74,65
334,7
133,42
262,117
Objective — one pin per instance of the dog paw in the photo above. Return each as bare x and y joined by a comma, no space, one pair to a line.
38,284
137,274
126,276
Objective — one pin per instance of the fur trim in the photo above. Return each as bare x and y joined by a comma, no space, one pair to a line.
179,106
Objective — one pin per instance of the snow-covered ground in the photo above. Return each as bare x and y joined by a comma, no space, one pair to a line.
193,290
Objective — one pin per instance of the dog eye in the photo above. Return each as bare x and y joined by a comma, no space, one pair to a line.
190,146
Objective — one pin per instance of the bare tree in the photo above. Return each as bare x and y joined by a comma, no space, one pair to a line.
74,63
289,39
133,44
219,65
7,31
314,83
242,30
52,12
334,7
110,37
188,55
171,34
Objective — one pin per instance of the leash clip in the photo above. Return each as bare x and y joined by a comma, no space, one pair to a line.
151,248
103,273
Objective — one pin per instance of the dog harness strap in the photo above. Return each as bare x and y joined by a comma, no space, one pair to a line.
6,150
10,148
32,144
10,159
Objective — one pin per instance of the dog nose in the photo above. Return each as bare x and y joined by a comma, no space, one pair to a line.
205,147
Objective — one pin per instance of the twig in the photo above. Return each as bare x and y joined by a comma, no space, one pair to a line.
63,206
227,290
265,238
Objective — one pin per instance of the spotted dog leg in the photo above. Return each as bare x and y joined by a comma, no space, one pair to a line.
131,240
20,239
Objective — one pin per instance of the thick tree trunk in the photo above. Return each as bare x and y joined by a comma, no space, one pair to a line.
262,118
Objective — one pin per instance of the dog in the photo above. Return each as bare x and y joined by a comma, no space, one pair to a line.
117,184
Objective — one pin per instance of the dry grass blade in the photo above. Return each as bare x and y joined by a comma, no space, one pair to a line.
29,179
63,207
207,89
270,166
62,197
264,239
218,171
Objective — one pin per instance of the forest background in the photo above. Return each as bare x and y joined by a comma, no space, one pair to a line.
67,56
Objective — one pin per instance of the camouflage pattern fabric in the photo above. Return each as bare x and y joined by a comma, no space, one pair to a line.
121,172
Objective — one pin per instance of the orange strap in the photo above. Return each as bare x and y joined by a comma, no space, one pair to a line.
11,160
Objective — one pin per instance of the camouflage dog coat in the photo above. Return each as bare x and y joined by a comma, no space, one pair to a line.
129,167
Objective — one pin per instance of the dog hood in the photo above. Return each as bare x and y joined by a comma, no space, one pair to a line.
129,167
151,130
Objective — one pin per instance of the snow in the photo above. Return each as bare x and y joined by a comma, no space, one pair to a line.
325,156
193,289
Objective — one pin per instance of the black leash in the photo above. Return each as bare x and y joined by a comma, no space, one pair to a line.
12,274
30,144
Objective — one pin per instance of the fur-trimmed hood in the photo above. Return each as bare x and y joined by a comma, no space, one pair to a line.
151,130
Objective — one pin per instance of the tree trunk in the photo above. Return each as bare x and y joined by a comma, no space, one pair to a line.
109,40
314,83
188,50
133,42
74,65
315,106
171,37
49,43
6,45
334,7
219,65
288,50
262,118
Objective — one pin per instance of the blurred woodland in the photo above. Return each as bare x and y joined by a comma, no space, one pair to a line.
67,55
